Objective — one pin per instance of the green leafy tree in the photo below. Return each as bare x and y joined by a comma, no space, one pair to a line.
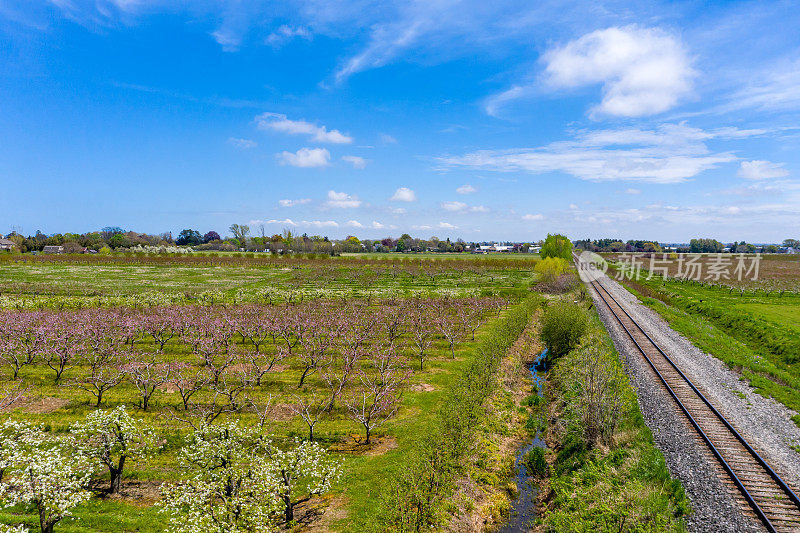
241,232
557,246
189,237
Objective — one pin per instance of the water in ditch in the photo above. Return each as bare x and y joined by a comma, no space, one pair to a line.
523,509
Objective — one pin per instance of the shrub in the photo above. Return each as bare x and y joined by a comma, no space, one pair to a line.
562,327
535,462
550,268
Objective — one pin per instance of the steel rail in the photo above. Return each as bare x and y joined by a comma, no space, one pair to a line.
789,492
748,497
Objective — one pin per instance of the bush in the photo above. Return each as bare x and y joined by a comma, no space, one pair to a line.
534,460
550,268
562,328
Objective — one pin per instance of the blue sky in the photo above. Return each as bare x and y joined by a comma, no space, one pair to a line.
473,119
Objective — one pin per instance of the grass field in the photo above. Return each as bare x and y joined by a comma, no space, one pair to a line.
350,285
83,282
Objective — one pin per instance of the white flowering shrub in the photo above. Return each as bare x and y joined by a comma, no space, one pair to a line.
44,472
237,481
13,529
112,438
159,249
302,471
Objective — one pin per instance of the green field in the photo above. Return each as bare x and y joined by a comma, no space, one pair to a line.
64,287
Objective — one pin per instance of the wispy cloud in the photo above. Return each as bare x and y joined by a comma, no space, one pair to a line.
774,88
454,206
531,217
244,144
466,189
306,158
286,33
760,170
280,123
672,153
356,161
404,194
292,203
342,200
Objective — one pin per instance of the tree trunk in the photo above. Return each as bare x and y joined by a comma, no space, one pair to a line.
289,511
44,523
116,476
99,398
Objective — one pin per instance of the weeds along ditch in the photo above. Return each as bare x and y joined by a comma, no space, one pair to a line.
602,471
419,496
529,462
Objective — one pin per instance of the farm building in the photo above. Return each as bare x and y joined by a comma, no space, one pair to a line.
53,250
5,244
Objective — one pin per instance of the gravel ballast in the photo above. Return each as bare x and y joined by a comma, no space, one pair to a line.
762,421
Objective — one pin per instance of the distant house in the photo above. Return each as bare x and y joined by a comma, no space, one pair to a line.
53,250
5,244
534,249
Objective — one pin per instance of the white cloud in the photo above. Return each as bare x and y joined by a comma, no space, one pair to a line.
286,33
228,40
292,203
421,227
454,206
387,139
404,194
644,71
573,206
244,144
777,88
466,189
631,190
398,211
342,200
306,158
320,223
529,217
356,224
285,222
759,170
479,209
278,122
672,153
357,162
446,225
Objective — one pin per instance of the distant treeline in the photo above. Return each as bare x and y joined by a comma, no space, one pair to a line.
695,246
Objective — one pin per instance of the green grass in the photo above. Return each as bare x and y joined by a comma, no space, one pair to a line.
66,284
625,486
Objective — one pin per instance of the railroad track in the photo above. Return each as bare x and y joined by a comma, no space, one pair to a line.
760,491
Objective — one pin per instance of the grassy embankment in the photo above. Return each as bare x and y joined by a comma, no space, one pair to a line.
605,473
755,333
